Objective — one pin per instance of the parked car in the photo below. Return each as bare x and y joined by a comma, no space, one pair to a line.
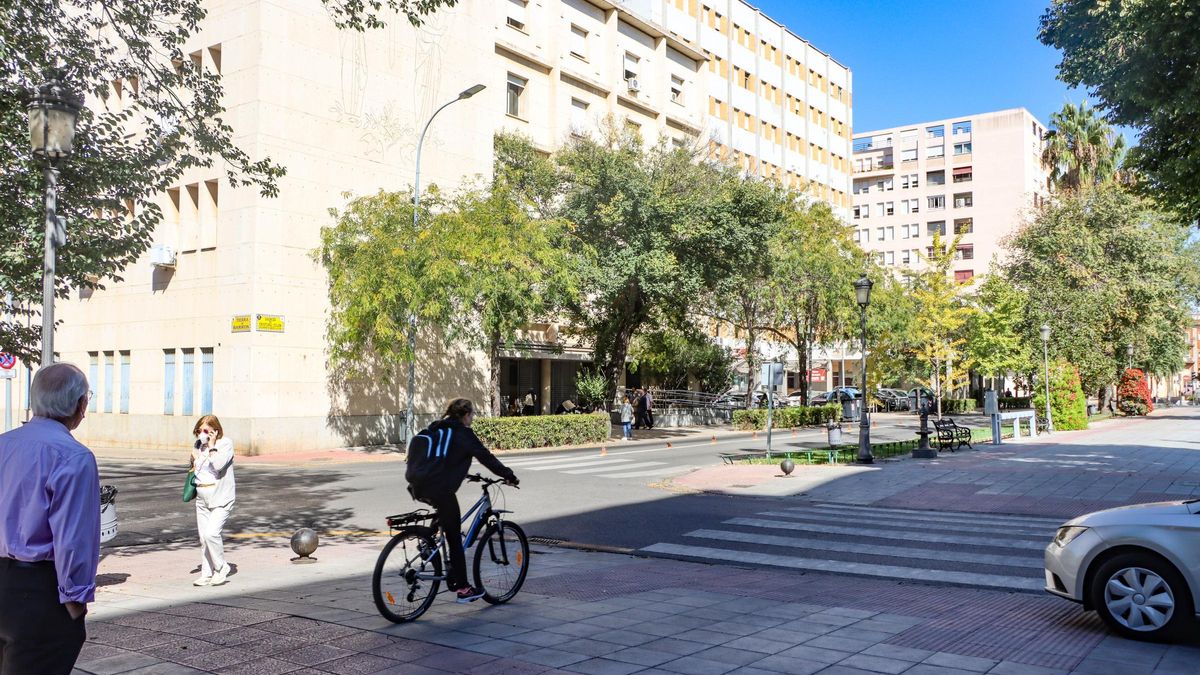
837,395
926,394
892,399
795,398
1137,566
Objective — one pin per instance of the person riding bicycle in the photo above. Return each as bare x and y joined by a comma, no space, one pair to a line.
438,460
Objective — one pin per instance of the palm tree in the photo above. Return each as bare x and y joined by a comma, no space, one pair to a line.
1082,149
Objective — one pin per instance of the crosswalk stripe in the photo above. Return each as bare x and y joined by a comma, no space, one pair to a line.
592,462
1052,523
635,465
903,522
844,567
1013,526
651,472
550,461
1031,562
928,537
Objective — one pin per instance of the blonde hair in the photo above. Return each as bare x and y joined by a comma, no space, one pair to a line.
211,421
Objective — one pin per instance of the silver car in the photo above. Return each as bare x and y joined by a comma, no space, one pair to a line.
1137,566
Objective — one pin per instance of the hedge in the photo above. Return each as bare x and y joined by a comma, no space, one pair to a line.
537,431
787,418
1068,405
957,405
1133,394
1014,402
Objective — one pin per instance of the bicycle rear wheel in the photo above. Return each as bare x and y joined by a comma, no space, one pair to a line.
407,575
501,562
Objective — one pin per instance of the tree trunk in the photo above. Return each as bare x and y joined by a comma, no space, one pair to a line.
494,375
615,362
751,364
801,345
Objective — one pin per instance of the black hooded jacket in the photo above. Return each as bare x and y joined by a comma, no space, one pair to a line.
439,458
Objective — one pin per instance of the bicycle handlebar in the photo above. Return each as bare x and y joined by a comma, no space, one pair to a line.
487,482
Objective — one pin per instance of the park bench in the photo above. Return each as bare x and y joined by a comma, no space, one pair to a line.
951,435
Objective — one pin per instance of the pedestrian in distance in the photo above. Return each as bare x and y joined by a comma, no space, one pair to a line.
216,492
639,408
649,410
438,460
626,419
529,406
49,528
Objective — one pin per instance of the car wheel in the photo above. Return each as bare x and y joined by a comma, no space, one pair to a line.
1141,596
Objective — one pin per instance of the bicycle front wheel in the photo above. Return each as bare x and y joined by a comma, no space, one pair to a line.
407,575
501,562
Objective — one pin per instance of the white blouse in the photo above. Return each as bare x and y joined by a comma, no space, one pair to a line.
215,466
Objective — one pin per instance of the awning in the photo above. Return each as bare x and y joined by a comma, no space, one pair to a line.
962,170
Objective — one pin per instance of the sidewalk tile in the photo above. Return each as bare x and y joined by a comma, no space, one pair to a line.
263,666
930,669
572,629
454,638
710,637
878,664
1094,666
898,652
121,663
588,647
642,656
313,654
604,667
358,664
276,644
845,670
1014,668
814,654
676,646
363,641
625,636
971,663
500,647
757,643
737,657
234,637
553,657
844,644
539,639
694,665
788,665
164,669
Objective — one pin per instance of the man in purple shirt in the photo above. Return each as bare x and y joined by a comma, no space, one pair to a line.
49,528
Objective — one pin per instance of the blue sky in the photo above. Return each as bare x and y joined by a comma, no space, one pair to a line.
921,60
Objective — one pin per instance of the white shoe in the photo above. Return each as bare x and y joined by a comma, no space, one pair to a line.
218,577
202,581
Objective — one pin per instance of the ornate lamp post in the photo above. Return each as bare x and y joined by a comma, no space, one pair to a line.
411,422
53,113
1045,331
862,292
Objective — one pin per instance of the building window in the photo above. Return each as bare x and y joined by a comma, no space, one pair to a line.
964,226
677,89
961,128
857,212
206,381
935,151
189,379
109,366
857,234
962,148
887,184
891,233
905,257
938,131
93,378
125,363
891,258
632,63
909,155
964,252
168,381
963,276
866,210
516,88
879,234
579,42
963,199
516,14
578,115
937,202
935,178
937,227
889,209
962,174
915,205
866,234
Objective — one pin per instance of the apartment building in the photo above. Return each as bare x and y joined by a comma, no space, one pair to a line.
976,176
226,312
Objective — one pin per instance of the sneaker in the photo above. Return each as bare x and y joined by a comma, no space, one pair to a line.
469,594
218,577
202,581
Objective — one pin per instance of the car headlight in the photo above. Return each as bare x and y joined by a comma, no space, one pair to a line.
1067,534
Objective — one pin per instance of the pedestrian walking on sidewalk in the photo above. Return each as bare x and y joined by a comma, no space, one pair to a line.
649,410
639,408
626,419
212,460
49,528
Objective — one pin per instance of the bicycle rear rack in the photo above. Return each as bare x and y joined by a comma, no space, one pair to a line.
411,518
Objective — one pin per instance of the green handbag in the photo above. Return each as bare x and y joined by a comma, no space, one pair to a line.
189,486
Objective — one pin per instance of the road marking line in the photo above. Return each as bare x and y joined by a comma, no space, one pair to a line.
965,515
608,461
842,567
651,472
929,537
635,465
1041,534
1032,561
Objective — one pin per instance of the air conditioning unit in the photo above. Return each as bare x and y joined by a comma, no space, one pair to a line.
162,255
634,86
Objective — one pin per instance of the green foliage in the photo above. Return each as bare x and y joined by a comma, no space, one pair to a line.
676,357
995,343
957,406
941,316
1141,59
538,431
363,14
1081,149
1133,393
786,418
1068,405
591,386
1014,402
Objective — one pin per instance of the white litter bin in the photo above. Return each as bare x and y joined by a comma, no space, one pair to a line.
108,513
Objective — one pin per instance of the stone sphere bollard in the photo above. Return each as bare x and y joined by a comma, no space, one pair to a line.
787,466
304,542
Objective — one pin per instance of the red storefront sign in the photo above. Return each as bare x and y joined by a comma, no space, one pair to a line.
817,375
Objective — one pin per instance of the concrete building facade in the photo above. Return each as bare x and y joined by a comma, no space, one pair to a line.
226,312
977,176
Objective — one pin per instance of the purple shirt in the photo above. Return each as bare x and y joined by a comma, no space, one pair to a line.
50,504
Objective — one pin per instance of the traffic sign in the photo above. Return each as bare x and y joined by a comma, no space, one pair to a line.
7,361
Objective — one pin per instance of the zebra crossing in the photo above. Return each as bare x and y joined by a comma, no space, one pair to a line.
971,549
616,465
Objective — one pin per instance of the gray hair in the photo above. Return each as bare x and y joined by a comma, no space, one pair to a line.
56,390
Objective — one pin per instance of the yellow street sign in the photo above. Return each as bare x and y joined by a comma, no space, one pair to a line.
268,323
240,323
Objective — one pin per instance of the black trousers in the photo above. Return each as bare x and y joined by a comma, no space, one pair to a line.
450,518
37,635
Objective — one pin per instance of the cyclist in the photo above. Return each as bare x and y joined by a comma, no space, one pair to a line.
438,460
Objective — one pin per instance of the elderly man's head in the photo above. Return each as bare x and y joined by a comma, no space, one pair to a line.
60,392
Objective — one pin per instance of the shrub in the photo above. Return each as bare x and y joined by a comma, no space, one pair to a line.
505,433
1014,402
787,418
1068,405
1133,393
590,387
957,405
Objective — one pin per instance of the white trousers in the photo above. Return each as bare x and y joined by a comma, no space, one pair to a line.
210,520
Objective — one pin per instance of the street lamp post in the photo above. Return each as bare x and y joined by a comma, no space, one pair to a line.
1045,331
1129,356
411,422
53,113
862,292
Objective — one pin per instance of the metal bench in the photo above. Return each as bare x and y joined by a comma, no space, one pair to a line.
951,435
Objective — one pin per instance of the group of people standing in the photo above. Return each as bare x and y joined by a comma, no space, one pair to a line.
637,412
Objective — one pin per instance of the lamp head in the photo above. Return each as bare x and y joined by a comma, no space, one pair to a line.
468,93
862,291
1129,350
1045,331
53,113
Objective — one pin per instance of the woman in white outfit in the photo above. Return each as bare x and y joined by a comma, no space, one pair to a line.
212,460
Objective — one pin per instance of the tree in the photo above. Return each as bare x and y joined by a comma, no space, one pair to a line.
995,343
1081,148
642,234
680,358
364,14
1140,59
812,293
941,315
1133,393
